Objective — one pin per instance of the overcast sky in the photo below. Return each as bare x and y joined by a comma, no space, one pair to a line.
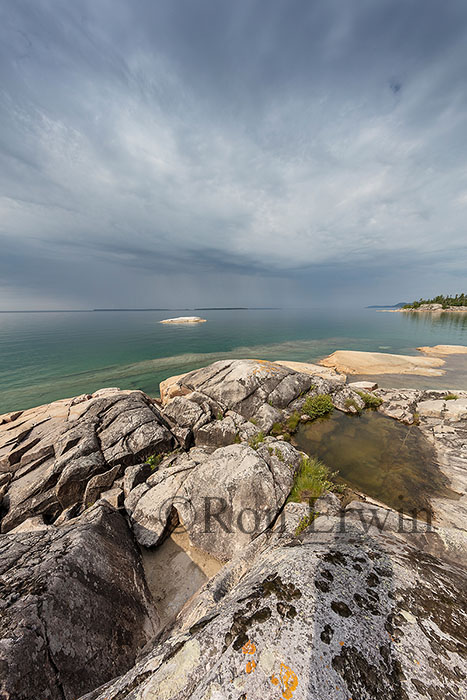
179,153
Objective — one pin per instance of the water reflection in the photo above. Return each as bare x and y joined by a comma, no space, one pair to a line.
450,319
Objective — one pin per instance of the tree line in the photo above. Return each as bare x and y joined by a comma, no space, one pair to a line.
445,301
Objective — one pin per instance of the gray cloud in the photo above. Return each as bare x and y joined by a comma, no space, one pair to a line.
181,153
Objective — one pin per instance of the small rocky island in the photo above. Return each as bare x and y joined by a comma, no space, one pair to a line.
184,319
325,595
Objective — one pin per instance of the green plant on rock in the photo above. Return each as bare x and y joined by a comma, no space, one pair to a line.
277,429
311,481
256,440
254,421
305,522
351,403
451,397
319,405
416,418
279,454
154,461
237,439
370,400
292,422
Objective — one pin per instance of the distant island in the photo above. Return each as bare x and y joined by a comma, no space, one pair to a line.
388,306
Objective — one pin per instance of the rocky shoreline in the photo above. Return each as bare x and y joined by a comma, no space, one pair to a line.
354,602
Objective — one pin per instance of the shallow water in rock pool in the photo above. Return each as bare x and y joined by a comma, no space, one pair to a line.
388,461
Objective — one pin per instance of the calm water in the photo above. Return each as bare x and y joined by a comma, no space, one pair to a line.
387,460
47,356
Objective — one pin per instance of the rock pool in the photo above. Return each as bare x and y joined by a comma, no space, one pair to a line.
389,461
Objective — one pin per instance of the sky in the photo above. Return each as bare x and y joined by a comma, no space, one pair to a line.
183,153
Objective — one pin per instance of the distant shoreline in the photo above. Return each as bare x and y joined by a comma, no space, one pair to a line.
88,311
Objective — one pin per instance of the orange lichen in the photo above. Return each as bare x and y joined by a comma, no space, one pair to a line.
249,647
251,665
287,680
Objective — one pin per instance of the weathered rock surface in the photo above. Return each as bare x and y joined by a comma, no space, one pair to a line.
333,614
356,362
438,350
251,387
75,608
355,605
51,454
245,385
224,499
186,418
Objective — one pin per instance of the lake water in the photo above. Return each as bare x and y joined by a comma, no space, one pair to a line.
47,356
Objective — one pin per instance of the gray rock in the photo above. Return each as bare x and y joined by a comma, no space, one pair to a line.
347,400
31,525
114,496
53,451
245,385
363,386
331,614
75,607
134,476
99,483
266,416
399,404
219,433
184,416
224,499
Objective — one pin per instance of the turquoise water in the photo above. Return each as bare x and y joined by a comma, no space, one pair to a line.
47,356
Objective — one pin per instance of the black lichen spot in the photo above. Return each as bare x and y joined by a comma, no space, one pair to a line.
322,586
372,580
326,634
237,635
341,608
286,610
327,575
365,680
366,604
261,615
357,567
335,557
273,584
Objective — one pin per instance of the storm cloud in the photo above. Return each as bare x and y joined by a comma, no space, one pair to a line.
184,153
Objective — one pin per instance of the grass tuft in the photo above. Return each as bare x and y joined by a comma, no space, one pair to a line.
256,440
370,400
311,481
292,422
305,522
351,403
316,406
154,461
